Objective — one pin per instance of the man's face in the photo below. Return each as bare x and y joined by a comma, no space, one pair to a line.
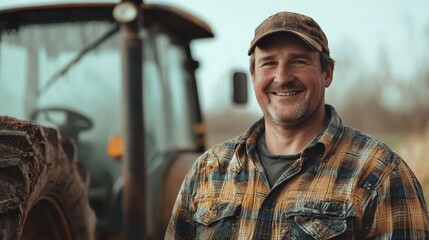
288,80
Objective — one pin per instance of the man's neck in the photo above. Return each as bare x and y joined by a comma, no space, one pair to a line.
289,140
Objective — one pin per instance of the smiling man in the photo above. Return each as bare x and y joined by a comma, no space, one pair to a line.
298,173
289,84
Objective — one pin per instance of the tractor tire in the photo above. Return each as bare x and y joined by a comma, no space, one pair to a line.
43,188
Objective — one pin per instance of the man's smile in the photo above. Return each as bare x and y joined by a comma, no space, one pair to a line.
285,93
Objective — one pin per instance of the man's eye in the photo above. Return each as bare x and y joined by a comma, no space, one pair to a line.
299,61
268,63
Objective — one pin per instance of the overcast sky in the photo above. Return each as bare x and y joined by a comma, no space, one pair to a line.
363,29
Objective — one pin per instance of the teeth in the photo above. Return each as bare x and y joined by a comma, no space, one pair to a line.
286,93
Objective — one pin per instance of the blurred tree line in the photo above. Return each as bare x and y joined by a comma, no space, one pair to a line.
381,101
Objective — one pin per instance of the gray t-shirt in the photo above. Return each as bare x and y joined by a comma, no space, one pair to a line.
274,165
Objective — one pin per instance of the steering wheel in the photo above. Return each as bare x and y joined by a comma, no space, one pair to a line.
71,121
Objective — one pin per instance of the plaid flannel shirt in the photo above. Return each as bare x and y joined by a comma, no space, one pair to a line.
346,185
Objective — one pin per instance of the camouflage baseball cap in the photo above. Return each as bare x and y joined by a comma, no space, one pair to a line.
300,25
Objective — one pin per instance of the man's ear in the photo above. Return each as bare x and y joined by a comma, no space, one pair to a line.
328,75
252,75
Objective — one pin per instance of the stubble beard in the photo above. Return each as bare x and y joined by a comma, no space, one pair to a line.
290,119
296,116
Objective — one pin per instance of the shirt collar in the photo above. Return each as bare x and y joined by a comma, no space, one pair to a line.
324,143
327,139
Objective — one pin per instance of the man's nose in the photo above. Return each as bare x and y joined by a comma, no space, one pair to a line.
282,75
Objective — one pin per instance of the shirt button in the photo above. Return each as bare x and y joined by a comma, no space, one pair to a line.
368,186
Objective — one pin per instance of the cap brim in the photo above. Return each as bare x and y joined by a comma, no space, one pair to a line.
311,42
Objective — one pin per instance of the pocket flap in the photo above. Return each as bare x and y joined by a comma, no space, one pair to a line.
322,219
321,228
209,213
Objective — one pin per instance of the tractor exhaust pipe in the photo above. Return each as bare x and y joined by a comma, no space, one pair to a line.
128,14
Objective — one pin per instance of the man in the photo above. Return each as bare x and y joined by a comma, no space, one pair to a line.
298,173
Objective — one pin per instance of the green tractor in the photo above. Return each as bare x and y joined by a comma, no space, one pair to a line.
109,118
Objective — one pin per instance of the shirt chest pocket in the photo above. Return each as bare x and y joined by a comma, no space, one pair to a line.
216,220
321,220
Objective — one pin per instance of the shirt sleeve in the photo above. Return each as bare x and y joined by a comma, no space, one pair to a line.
179,226
397,209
